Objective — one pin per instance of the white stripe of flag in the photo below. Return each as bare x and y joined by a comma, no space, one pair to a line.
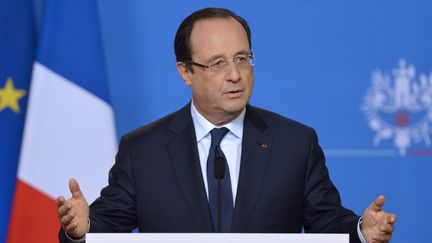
69,132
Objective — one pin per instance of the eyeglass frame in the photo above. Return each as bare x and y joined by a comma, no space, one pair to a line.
250,59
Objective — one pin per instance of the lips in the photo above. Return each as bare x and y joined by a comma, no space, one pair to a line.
234,93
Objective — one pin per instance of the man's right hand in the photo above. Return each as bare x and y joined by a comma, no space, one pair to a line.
73,213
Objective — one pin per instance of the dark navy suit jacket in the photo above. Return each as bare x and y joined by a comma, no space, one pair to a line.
156,183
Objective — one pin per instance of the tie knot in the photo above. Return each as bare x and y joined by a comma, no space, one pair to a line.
217,134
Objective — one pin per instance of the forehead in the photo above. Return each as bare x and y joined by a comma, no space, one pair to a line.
218,36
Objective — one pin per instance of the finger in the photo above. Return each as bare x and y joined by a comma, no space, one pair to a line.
387,228
381,237
75,189
63,210
71,227
377,204
390,218
65,220
59,201
384,237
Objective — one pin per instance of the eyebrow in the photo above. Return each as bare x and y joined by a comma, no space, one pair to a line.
212,58
247,52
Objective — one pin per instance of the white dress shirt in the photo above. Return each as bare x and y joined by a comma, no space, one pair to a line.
231,145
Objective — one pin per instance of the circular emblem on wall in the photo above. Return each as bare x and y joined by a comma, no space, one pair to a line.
398,106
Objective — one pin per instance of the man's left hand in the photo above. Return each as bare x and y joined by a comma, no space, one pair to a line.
377,226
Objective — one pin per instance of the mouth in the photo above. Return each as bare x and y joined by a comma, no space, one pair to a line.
235,93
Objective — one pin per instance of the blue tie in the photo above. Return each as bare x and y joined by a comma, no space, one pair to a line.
227,198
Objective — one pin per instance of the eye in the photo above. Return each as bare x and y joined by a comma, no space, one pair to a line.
241,59
218,63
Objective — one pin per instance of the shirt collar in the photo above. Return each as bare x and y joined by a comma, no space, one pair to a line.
203,126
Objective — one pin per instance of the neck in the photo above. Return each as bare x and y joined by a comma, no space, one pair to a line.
218,119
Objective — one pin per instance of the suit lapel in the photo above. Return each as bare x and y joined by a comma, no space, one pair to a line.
256,148
185,162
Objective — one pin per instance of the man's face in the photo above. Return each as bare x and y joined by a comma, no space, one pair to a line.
219,96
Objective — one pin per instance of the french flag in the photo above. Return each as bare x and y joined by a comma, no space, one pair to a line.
69,128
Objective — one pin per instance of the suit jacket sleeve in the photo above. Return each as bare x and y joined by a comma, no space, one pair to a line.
323,211
115,209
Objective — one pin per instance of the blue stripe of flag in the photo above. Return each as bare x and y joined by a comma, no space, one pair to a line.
75,50
17,49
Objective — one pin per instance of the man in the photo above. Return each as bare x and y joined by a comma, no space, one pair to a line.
275,178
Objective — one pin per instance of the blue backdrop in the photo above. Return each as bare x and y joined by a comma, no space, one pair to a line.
334,65
315,61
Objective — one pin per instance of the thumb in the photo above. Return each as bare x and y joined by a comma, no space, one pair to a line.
75,189
377,204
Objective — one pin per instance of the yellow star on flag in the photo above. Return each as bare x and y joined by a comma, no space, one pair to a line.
9,96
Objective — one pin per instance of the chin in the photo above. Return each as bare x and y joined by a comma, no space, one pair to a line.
235,108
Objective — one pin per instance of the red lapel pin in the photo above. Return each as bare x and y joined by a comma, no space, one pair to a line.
263,145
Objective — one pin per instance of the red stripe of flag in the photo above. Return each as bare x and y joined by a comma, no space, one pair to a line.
33,217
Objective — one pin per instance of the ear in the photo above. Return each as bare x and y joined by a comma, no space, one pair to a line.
184,73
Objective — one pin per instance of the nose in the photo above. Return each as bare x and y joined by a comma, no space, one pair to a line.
233,73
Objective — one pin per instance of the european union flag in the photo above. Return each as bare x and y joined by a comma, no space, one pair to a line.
17,50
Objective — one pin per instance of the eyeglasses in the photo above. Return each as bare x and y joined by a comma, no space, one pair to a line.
243,61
